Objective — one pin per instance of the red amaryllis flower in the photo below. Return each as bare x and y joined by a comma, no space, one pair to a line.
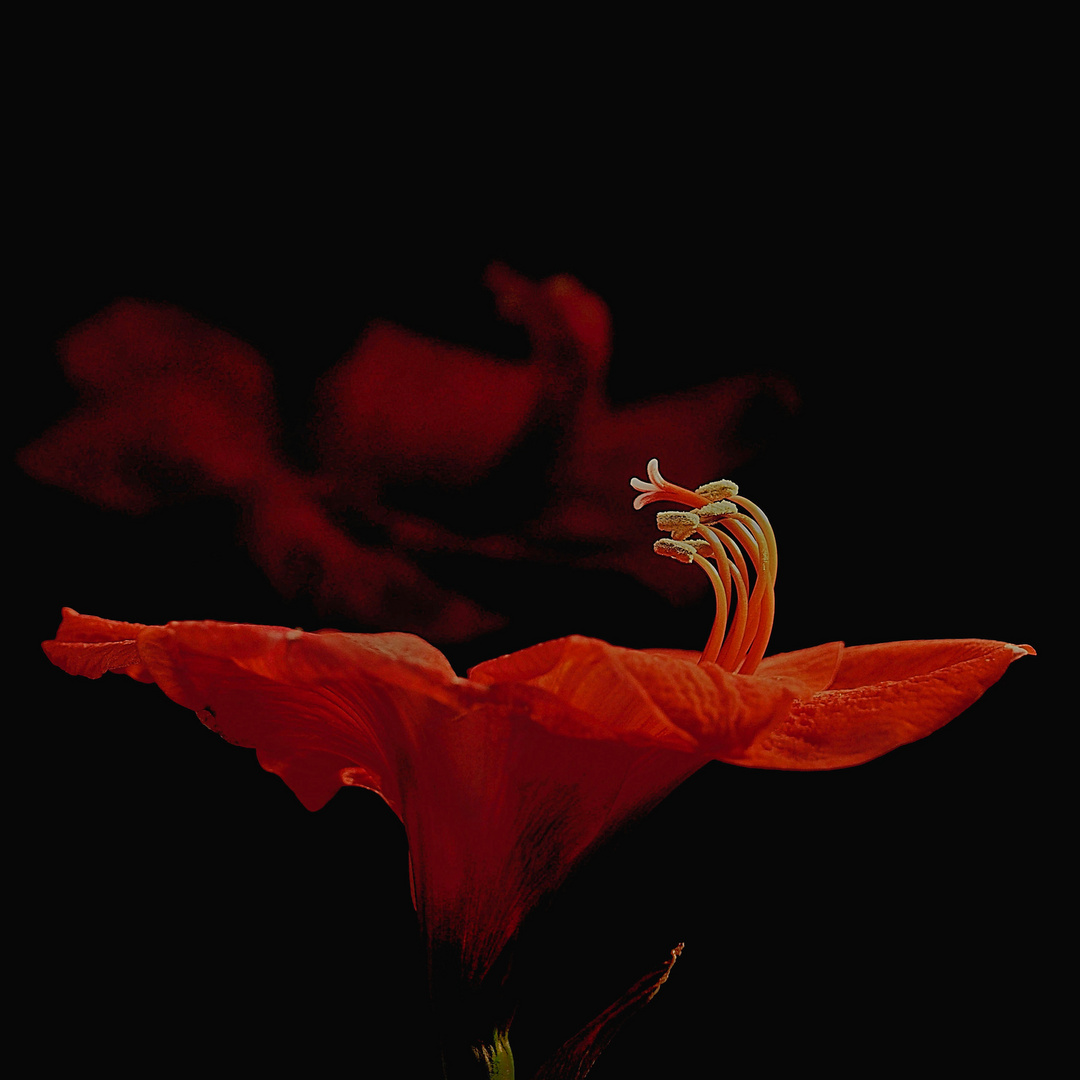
504,779
410,434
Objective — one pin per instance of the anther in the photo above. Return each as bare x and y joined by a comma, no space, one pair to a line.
714,511
675,549
718,489
680,523
702,547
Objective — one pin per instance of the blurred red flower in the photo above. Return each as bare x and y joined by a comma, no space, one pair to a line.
172,407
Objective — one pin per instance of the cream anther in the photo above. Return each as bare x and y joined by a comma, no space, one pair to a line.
680,523
675,549
718,489
702,547
714,511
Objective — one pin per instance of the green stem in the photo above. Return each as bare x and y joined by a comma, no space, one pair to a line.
483,1059
472,1017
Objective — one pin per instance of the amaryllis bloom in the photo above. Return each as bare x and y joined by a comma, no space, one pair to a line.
506,778
411,435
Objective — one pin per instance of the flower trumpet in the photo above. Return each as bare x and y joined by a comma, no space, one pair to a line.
505,779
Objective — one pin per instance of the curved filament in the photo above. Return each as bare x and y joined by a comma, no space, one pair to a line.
744,577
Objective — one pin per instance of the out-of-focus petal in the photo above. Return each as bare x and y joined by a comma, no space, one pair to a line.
303,552
168,402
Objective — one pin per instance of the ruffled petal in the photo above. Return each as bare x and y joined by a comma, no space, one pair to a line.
322,710
89,646
806,671
647,699
497,805
882,697
76,627
90,659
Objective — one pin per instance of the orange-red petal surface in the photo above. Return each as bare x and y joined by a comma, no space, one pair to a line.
89,646
505,779
644,698
882,697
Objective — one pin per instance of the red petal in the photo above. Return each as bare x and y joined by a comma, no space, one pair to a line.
92,660
322,710
134,340
574,1060
883,696
162,389
301,549
497,807
88,646
806,670
644,698
76,627
468,408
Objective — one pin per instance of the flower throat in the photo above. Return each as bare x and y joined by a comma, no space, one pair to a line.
733,532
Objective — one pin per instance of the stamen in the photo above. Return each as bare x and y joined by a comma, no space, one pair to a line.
747,531
745,540
737,632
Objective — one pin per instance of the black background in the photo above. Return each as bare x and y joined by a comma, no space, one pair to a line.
880,255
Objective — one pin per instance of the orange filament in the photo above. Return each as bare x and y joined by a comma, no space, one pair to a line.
722,589
744,551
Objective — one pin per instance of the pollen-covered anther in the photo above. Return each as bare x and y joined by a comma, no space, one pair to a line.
680,523
718,489
714,511
675,549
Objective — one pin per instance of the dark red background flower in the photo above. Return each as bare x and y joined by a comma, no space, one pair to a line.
182,861
422,449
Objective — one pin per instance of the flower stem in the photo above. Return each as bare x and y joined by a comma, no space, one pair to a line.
484,1059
